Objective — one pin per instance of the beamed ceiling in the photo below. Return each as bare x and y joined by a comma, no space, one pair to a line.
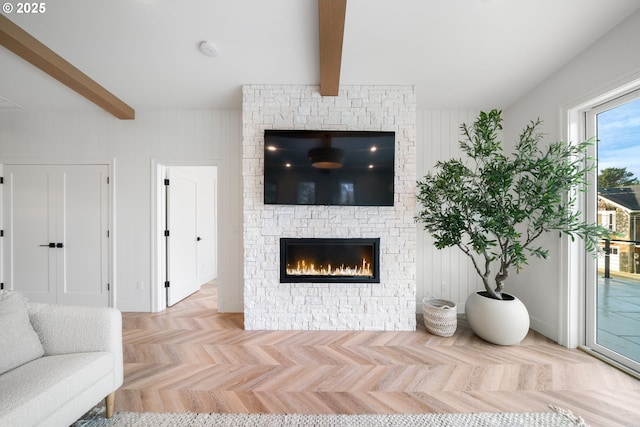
143,54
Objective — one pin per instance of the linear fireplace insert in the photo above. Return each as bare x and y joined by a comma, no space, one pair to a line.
330,260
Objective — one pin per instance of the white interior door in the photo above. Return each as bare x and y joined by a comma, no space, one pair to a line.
29,263
182,242
56,227
206,222
83,224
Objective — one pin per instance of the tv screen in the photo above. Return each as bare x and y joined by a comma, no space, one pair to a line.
304,167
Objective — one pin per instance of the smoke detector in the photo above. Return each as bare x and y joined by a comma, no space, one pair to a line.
208,49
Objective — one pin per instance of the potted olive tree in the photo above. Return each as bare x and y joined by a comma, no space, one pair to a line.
494,206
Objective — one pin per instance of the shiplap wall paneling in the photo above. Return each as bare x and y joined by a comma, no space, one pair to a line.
446,273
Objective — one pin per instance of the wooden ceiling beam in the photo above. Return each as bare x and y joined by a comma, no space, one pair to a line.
31,50
331,17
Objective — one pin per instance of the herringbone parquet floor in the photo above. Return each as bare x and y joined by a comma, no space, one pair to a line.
190,358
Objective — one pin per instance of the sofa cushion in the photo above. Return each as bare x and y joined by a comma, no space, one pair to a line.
16,332
37,389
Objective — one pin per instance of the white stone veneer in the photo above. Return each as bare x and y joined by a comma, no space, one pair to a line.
270,305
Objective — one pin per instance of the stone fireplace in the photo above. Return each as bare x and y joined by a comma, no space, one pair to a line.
315,300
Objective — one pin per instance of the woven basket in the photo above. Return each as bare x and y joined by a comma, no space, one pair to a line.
440,316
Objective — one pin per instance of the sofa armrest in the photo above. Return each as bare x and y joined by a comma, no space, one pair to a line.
67,329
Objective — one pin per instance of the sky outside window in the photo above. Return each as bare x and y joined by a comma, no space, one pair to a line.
619,138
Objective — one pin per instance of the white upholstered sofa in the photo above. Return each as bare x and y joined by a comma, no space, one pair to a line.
77,363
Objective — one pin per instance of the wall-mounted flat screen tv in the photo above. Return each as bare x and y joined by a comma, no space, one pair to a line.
306,167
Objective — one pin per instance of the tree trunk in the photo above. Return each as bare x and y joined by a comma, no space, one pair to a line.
501,277
492,292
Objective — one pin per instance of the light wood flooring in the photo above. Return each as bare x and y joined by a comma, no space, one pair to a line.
190,358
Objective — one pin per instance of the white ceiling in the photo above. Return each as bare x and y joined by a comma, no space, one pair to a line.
458,53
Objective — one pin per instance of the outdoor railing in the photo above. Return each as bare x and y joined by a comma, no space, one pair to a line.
607,254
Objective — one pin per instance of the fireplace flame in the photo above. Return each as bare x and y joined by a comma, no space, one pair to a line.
304,268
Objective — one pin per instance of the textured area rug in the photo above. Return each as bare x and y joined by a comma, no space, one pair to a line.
558,418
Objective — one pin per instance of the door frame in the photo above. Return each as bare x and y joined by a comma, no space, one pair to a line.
158,165
591,303
110,162
577,290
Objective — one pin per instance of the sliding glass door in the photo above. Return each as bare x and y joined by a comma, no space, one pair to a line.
613,277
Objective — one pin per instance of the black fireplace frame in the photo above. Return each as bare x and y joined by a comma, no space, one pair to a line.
373,242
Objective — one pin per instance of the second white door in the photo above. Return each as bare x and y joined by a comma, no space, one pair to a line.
191,243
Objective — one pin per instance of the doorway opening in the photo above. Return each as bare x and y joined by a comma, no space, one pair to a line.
184,229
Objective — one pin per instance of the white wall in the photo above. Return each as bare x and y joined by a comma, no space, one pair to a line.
153,134
446,273
608,63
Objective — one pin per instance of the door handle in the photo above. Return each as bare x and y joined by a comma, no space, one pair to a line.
48,245
59,245
198,239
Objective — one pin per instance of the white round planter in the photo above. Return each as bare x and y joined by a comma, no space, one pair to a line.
502,322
